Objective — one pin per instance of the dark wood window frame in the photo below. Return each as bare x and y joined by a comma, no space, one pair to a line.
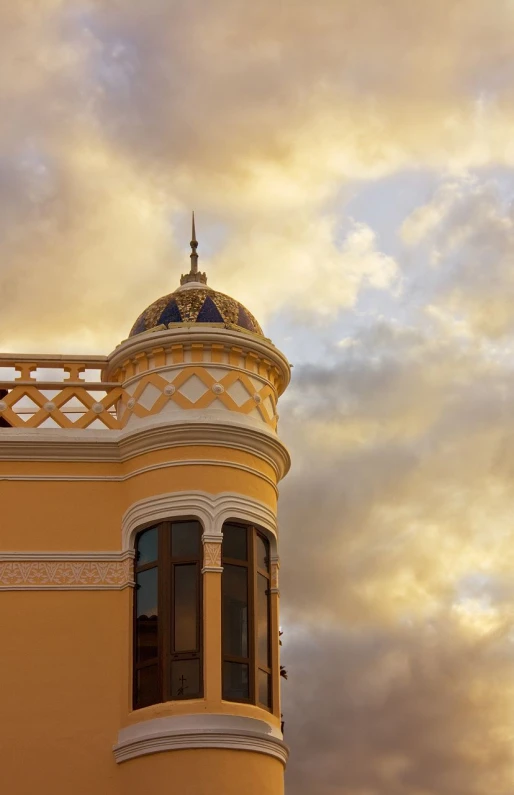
254,665
166,565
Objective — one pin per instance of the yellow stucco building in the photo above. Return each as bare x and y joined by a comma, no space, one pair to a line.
139,559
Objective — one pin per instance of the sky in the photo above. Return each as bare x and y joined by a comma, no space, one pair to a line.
351,166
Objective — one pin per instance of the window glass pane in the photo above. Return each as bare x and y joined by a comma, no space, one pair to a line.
262,553
185,679
264,684
147,546
235,681
185,539
234,542
235,610
262,621
146,615
147,686
185,606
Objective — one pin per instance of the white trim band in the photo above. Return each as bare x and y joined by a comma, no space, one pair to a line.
181,732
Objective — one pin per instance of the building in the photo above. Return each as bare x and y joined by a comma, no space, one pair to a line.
156,466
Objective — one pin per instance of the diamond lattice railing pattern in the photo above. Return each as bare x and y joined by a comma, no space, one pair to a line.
50,392
59,392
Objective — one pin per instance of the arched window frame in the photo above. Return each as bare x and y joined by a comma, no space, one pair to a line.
256,666
166,564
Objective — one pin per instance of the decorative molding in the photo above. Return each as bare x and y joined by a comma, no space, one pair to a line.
228,432
200,731
171,367
25,571
216,462
62,444
80,557
212,510
185,335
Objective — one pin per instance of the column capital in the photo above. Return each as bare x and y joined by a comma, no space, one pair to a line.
212,553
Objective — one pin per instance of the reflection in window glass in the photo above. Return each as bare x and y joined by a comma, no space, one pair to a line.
185,605
235,542
185,679
185,539
147,547
147,682
262,553
236,686
235,610
147,623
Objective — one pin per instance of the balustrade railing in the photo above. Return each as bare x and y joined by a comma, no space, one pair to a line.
57,392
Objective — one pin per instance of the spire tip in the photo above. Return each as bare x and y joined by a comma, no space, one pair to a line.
193,275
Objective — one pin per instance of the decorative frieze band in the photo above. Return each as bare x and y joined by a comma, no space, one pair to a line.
66,571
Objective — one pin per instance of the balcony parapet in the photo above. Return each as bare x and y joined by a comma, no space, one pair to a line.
214,375
49,391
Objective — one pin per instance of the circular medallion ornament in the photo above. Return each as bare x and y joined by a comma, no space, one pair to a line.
3,405
257,398
98,408
218,389
49,406
131,402
169,389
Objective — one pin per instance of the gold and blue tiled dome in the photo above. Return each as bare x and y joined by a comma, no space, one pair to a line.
194,302
195,305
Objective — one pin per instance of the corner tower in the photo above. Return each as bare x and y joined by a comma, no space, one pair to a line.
139,558
200,388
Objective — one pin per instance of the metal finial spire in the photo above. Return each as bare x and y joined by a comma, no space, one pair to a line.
193,275
194,246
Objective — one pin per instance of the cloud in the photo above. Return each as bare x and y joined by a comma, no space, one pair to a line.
266,118
122,117
310,271
468,229
418,710
396,567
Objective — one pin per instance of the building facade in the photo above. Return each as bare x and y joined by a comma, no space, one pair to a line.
139,559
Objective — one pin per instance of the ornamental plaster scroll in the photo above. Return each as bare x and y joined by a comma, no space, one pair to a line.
212,510
22,571
179,732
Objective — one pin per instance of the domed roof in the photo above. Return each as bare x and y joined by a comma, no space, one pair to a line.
194,302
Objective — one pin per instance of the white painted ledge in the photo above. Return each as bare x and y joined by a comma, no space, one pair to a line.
181,732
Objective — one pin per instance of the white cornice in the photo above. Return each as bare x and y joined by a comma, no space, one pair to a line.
63,444
257,441
200,731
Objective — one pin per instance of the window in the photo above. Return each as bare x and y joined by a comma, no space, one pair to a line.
168,613
246,615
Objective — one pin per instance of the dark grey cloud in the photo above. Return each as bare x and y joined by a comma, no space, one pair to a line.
396,564
414,709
